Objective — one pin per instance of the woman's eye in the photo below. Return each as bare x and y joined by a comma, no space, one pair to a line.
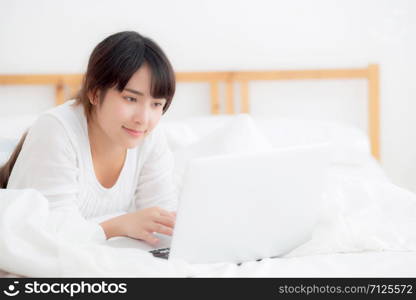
158,104
130,99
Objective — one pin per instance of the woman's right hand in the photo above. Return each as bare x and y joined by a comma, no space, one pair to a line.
141,224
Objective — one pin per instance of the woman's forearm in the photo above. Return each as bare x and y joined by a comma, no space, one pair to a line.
113,227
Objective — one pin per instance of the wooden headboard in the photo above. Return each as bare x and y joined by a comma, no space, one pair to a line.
66,86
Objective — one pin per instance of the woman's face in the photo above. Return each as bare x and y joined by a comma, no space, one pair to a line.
127,117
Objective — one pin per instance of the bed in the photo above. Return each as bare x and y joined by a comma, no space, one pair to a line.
365,229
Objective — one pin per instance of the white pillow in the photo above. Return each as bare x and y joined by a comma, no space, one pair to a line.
187,131
203,125
350,144
178,134
238,135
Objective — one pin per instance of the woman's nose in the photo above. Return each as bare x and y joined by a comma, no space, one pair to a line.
142,115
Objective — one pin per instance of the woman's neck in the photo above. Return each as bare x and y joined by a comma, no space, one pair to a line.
102,147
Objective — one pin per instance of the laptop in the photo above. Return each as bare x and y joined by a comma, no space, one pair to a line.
245,207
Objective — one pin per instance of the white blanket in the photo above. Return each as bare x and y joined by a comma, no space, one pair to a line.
368,219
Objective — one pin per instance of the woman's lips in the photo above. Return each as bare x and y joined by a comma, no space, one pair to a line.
133,132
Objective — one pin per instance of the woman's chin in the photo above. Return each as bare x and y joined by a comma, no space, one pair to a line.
133,144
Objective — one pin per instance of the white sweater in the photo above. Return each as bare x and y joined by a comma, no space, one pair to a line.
56,160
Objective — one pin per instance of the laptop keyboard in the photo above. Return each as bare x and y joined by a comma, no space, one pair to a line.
164,253
161,252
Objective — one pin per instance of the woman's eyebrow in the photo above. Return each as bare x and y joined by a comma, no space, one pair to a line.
134,91
137,92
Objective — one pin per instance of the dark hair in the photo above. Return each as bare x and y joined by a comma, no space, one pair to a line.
7,168
112,63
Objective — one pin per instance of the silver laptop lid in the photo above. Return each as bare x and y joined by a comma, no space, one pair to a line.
242,207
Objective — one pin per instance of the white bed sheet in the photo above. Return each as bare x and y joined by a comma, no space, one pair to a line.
365,264
358,264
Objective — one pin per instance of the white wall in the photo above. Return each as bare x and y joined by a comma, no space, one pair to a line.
57,37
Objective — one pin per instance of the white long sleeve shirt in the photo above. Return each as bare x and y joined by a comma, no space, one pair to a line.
56,160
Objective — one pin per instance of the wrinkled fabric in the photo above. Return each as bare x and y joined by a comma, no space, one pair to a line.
36,242
366,220
363,211
366,228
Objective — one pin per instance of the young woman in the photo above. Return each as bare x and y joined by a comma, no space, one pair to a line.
102,153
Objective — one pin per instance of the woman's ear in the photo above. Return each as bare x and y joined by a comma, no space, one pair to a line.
93,97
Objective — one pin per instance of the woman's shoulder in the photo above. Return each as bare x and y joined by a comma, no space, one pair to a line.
65,119
70,113
47,132
47,124
59,125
